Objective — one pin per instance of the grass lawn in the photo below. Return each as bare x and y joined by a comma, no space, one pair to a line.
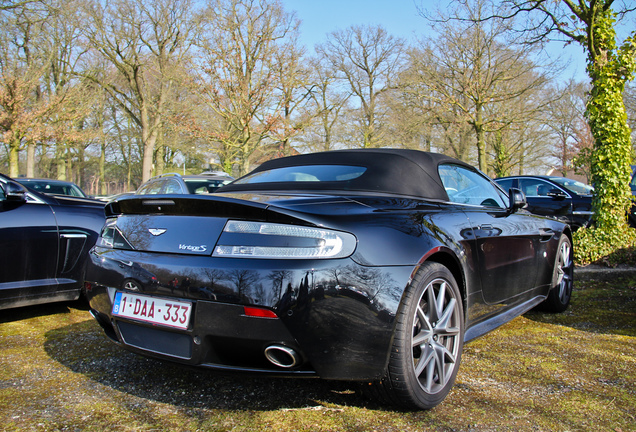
568,372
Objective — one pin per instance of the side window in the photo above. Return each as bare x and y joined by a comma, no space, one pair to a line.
465,186
535,187
505,184
151,188
172,187
2,196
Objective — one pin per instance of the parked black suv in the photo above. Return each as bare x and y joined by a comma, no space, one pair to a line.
562,198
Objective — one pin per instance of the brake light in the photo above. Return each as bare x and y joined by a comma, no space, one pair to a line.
259,312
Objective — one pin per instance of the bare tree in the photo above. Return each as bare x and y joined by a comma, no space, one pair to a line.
39,101
563,117
240,79
472,68
294,89
327,109
369,60
145,42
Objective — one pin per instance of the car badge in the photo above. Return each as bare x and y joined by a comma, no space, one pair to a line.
157,231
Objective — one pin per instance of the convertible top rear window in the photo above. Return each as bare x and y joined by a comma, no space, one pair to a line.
380,171
304,173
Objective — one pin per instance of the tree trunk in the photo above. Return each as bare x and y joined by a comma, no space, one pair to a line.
30,166
14,152
102,169
481,139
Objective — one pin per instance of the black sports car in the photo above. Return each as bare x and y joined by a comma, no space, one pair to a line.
44,242
365,265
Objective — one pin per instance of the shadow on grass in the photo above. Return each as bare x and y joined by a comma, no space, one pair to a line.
85,350
28,312
598,306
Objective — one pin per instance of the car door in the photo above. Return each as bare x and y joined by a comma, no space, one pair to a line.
545,198
28,244
506,243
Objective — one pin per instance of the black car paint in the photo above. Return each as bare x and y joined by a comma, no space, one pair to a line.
361,293
44,243
561,204
631,215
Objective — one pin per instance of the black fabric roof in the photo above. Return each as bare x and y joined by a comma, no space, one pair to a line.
392,171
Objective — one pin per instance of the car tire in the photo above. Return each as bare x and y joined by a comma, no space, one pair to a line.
131,285
560,294
428,342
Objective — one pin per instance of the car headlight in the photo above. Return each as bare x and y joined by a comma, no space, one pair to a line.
244,239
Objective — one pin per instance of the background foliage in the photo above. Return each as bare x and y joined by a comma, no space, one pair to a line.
108,94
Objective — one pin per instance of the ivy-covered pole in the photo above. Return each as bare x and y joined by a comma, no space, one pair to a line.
609,69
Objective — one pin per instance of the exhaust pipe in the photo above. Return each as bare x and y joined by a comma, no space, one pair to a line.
282,356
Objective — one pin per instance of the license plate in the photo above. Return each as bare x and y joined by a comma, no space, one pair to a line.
153,310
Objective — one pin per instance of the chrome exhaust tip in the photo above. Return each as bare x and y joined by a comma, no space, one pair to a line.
282,356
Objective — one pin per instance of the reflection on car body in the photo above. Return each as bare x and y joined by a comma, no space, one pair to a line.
44,242
173,183
370,265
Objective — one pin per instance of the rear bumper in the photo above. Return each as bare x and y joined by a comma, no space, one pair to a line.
220,337
335,315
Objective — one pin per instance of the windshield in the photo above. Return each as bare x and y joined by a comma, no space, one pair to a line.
198,186
55,188
573,186
304,173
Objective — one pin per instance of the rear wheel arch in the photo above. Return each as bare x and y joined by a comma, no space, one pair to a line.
428,339
449,260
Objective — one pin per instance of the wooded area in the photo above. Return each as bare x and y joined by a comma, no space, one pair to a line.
108,94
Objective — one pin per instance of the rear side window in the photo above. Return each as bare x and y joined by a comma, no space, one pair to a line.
172,187
506,185
150,188
305,173
465,186
205,186
536,187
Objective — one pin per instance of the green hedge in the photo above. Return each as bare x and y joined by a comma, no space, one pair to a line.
592,245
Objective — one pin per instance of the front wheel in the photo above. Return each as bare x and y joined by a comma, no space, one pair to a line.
428,342
562,278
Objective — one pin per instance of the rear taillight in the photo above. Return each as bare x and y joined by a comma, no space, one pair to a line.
245,239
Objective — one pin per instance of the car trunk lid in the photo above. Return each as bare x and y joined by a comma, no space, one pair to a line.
192,225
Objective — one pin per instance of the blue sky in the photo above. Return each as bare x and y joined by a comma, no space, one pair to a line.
398,17
320,17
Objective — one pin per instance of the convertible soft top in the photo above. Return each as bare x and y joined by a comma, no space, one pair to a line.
392,171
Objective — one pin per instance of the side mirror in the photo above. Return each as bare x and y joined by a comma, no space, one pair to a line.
557,194
517,199
14,192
